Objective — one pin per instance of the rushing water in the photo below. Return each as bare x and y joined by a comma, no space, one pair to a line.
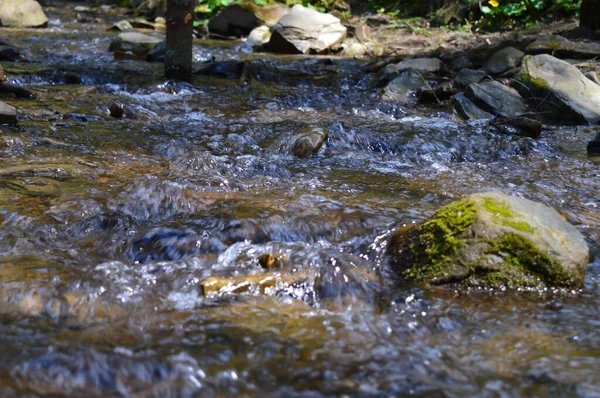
108,227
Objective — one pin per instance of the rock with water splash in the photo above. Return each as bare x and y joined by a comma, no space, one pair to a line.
309,141
22,14
491,240
559,90
404,88
304,31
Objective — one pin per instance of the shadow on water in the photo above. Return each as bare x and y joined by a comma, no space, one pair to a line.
184,250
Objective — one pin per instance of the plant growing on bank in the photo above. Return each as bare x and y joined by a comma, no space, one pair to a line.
508,13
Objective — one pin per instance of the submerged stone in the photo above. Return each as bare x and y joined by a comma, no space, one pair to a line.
309,141
492,240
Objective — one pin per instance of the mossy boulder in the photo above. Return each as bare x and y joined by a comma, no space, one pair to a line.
491,240
559,90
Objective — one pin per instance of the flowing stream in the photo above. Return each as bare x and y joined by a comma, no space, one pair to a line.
108,227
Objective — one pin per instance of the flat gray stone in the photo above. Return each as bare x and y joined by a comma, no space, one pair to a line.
504,60
496,98
8,114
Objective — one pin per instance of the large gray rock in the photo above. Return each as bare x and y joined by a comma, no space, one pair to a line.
496,98
134,42
8,114
563,47
404,88
491,240
22,14
560,91
304,31
504,60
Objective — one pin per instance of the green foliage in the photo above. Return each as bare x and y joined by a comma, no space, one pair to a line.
208,8
508,13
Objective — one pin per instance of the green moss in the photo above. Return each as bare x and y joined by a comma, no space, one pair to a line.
536,82
525,265
438,239
504,215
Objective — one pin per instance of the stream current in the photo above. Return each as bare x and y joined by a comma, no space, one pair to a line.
109,226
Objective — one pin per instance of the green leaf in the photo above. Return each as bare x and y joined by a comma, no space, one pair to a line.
486,10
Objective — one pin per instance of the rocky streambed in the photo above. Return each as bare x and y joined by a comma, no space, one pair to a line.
230,236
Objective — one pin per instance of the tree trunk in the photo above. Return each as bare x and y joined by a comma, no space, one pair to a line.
180,26
590,14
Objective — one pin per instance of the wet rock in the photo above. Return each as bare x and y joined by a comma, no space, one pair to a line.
424,66
121,26
234,21
468,76
520,126
14,91
8,114
509,58
496,98
304,31
404,88
560,91
309,141
492,240
9,53
166,244
22,14
226,69
437,94
563,47
116,110
464,109
593,147
341,287
272,260
158,52
119,110
259,36
136,43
